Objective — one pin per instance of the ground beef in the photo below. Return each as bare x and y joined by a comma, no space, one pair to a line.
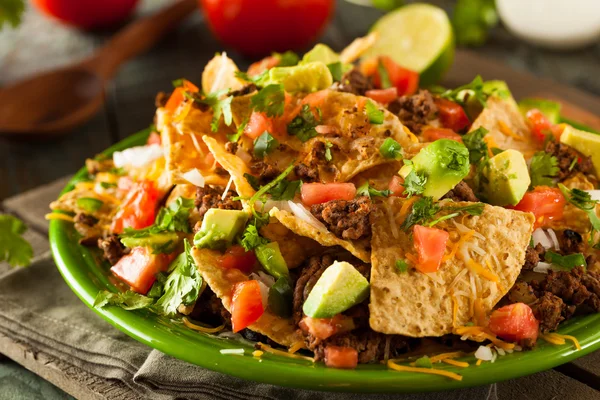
346,219
231,147
247,89
369,344
307,173
264,172
112,247
161,99
99,165
570,242
210,197
308,170
209,309
576,288
533,255
354,82
85,219
86,226
565,156
414,111
550,311
461,192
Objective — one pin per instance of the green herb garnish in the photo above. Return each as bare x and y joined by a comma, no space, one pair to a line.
269,100
264,144
14,249
220,106
303,125
582,200
543,169
390,149
366,190
478,148
401,265
89,204
128,300
374,114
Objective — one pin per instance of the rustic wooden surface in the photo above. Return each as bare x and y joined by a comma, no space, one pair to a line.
40,44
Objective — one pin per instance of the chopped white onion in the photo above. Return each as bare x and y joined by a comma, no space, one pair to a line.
484,353
500,351
540,236
268,280
227,189
325,129
594,194
271,204
552,235
302,213
542,267
264,294
194,177
463,229
237,352
137,156
243,155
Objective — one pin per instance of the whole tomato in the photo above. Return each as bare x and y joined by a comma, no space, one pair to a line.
258,27
87,14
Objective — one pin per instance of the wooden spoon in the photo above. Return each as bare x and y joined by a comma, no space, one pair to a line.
56,102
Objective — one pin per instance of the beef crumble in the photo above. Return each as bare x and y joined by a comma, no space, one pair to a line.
307,173
346,219
461,192
533,255
569,159
112,247
210,197
570,242
231,147
354,82
414,111
247,89
161,99
264,172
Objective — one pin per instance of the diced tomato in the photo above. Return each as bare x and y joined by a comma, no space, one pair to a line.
257,125
322,328
237,257
154,138
138,209
433,134
316,99
538,123
246,305
261,66
451,114
430,244
545,203
178,96
557,131
404,80
317,193
341,357
139,268
514,323
396,186
383,95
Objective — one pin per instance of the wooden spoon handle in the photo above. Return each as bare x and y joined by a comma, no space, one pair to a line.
138,37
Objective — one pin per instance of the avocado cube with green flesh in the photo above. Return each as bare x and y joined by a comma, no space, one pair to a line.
507,178
220,228
340,287
587,143
309,77
550,109
269,256
321,52
444,163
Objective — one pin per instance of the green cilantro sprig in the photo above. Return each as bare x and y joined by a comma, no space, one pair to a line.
13,248
11,12
390,149
582,200
264,144
269,100
366,190
303,125
220,105
424,210
478,148
543,169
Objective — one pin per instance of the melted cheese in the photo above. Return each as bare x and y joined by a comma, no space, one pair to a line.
63,217
460,364
271,350
295,347
199,328
505,129
432,371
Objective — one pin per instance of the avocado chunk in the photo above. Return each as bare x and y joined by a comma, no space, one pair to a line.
309,77
507,178
444,163
340,287
550,109
321,52
269,256
587,143
159,242
219,228
281,297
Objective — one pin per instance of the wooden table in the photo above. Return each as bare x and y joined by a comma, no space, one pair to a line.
40,44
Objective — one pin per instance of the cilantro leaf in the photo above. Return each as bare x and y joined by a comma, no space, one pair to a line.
252,180
220,107
239,132
471,209
251,239
390,149
128,300
328,146
401,265
478,148
11,12
303,125
287,59
475,88
374,114
423,210
269,100
543,168
13,248
175,217
265,189
183,285
366,190
283,190
264,144
251,79
582,200
414,183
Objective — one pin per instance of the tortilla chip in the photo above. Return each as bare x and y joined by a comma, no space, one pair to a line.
68,202
358,248
221,281
295,249
574,218
219,74
506,126
416,304
233,164
185,191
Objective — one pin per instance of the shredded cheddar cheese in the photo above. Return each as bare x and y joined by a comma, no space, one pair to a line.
463,239
454,310
406,207
443,356
411,258
461,364
505,129
478,363
257,353
500,286
558,339
199,328
433,371
480,270
271,350
411,135
63,217
84,186
295,347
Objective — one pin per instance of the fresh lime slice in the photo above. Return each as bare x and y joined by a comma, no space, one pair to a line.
418,37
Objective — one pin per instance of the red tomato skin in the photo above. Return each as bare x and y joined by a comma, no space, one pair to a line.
430,244
178,95
538,123
383,95
322,328
433,134
405,80
246,305
261,66
257,27
317,193
396,186
341,357
257,125
451,115
138,209
87,14
238,258
139,268
545,203
514,323
154,138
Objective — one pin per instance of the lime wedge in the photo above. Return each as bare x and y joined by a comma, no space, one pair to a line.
418,37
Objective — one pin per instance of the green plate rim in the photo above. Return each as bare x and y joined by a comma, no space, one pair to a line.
174,339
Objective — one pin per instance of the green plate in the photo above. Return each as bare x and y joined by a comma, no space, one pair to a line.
86,275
